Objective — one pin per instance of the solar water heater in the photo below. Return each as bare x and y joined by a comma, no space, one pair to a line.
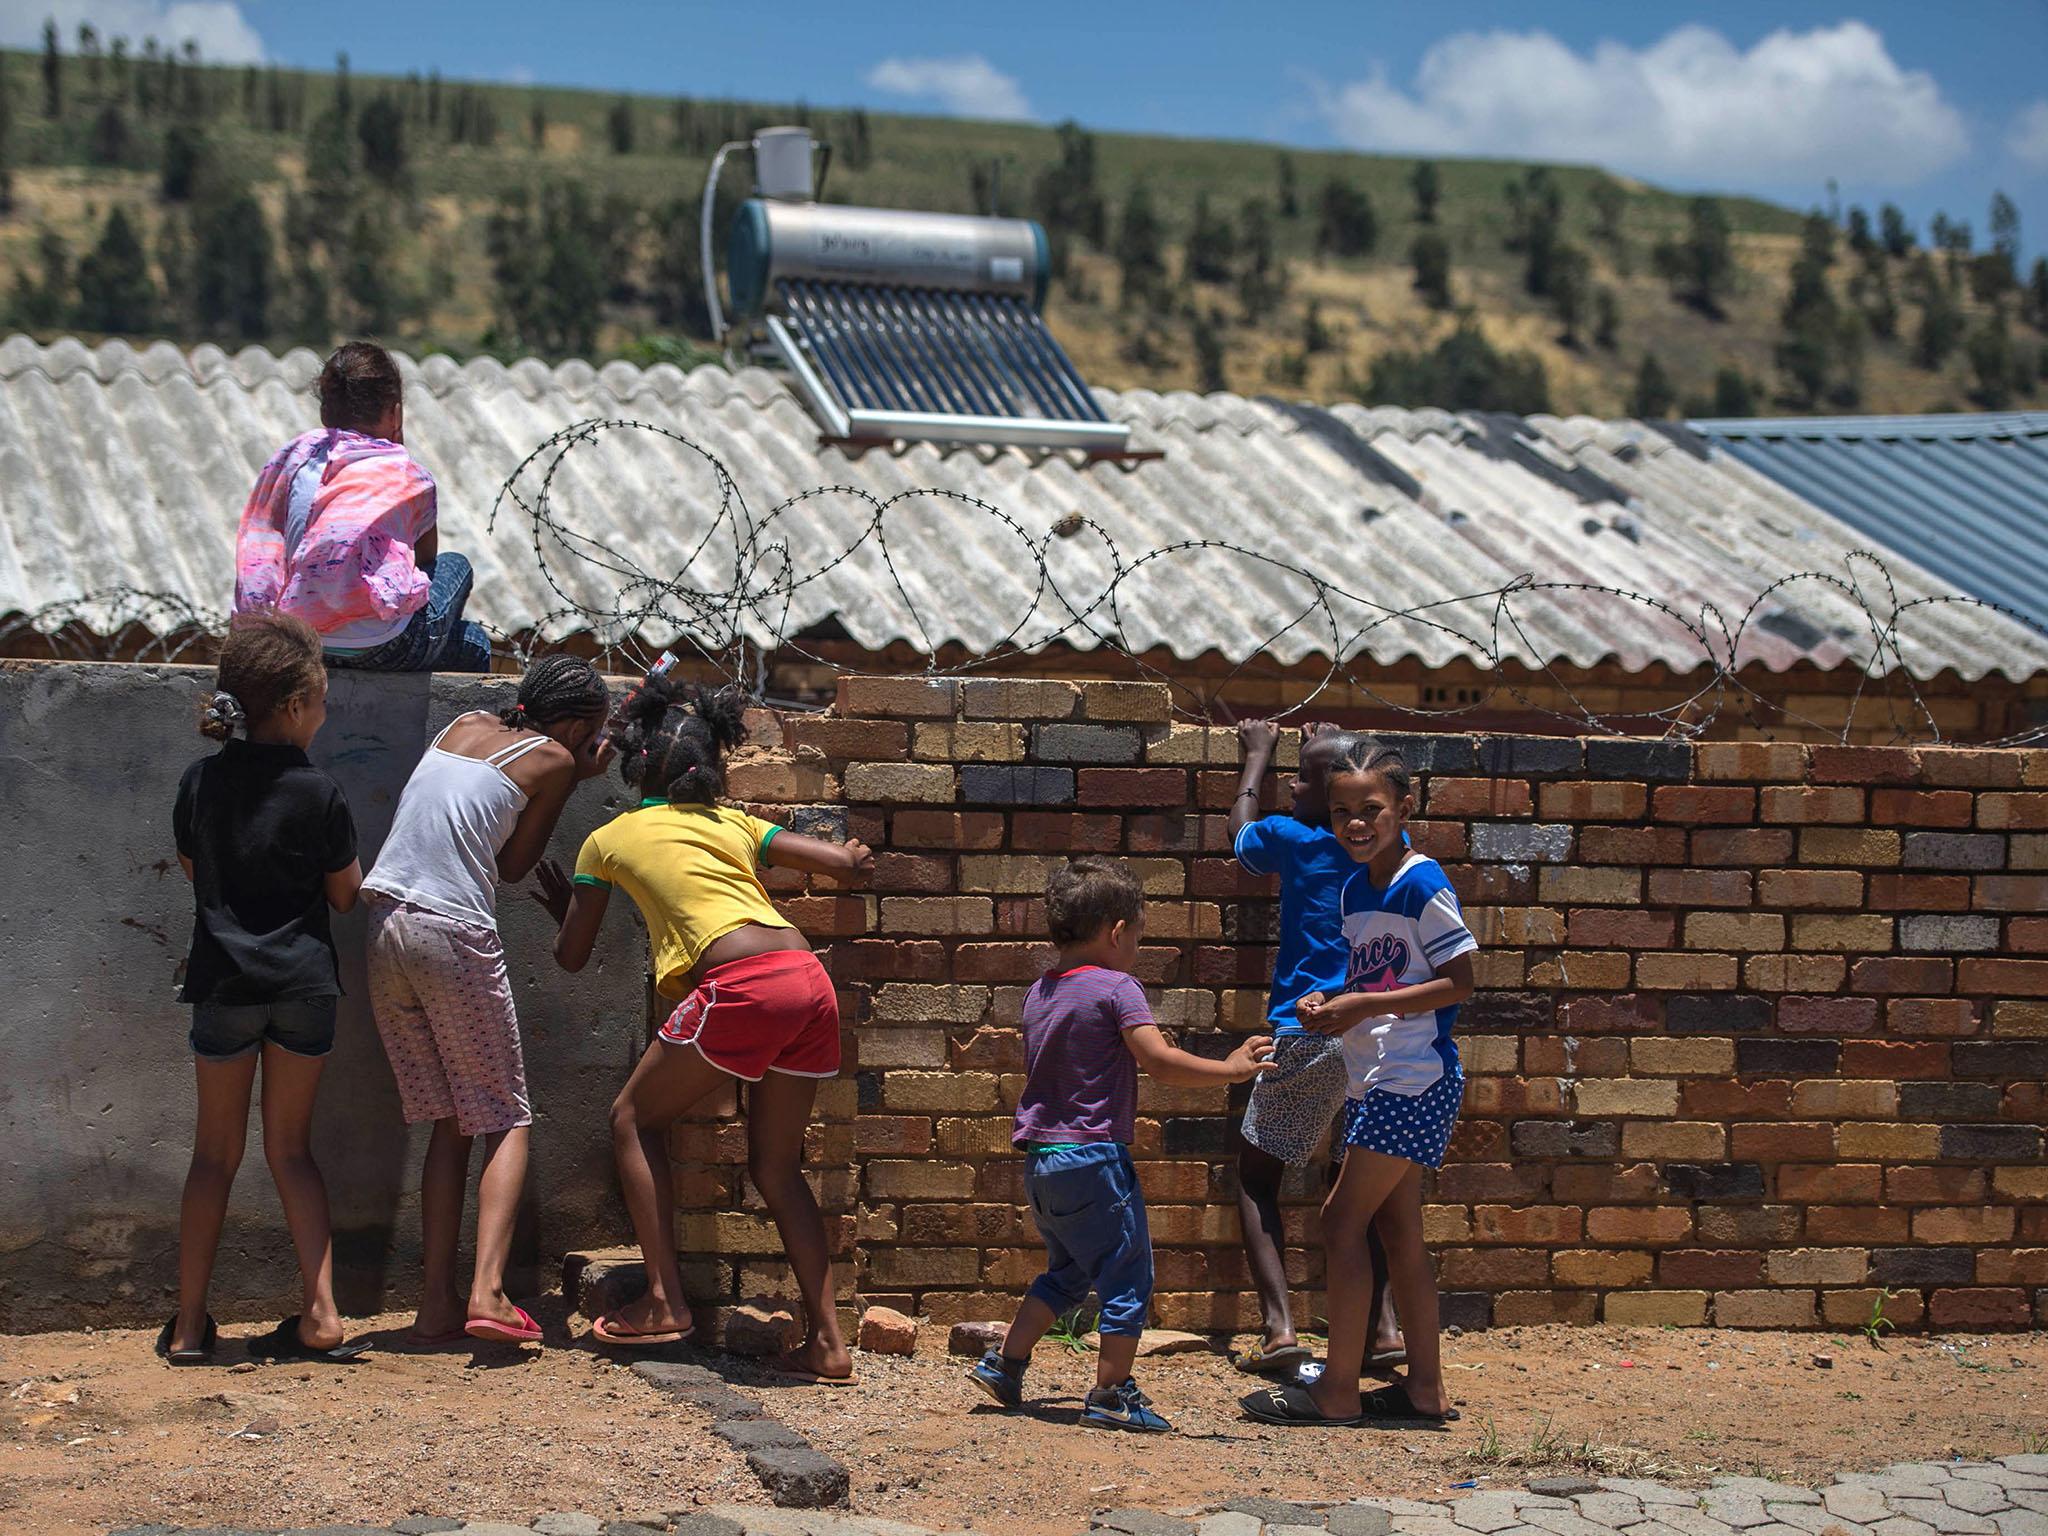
896,325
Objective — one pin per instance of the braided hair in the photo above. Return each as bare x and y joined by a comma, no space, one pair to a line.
557,687
1368,754
268,659
673,738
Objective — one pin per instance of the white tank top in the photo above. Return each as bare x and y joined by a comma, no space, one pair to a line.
453,818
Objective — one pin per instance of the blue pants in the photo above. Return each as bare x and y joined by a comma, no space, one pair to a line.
1091,1213
438,639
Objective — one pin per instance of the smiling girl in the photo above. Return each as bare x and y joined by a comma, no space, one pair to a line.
1410,967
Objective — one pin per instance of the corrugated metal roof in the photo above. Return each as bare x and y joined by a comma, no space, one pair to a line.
125,467
1967,496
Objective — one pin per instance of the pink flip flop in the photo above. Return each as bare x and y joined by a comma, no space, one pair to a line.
525,1331
608,1331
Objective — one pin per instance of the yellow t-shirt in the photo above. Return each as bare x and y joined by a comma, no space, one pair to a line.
691,871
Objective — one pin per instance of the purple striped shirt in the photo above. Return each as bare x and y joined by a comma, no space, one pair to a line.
1080,1079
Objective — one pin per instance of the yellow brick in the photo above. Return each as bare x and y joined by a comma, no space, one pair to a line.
1446,1224
1866,932
916,782
1196,746
1591,885
1767,762
1148,703
1600,1267
1849,847
1683,1140
880,1048
1794,973
1683,972
919,1179
1009,698
1007,874
1498,969
1763,1309
943,915
1682,1056
1854,1308
1863,1141
1185,1008
1515,925
1490,1055
1582,970
1735,930
938,1092
1818,1266
1625,1096
916,1002
2019,1018
959,741
2020,1183
1655,1309
1830,1098
960,1137
1159,877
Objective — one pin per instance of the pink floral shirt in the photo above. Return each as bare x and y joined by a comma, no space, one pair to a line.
350,567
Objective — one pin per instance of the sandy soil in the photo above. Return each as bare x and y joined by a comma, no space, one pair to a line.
99,1433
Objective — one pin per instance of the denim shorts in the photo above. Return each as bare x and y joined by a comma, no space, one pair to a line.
223,1031
1091,1213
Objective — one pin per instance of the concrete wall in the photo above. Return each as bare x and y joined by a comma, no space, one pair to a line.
96,1098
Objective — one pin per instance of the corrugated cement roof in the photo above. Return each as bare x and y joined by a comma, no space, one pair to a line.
125,467
1967,496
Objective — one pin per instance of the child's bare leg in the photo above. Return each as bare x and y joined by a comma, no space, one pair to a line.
669,1079
1034,1319
444,1181
1386,1327
1113,1363
1258,1217
1368,1179
497,1209
1414,1286
290,1083
778,1113
217,1139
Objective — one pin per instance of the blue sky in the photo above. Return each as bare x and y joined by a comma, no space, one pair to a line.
1931,106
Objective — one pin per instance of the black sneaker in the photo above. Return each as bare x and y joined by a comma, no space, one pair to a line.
1002,1379
1122,1407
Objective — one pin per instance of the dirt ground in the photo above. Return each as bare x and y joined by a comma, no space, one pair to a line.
99,1433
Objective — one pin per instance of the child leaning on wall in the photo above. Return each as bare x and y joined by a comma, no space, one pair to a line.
1087,1030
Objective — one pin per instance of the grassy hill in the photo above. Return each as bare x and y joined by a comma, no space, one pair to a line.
412,253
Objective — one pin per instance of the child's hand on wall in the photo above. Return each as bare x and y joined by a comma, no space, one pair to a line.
863,862
1260,737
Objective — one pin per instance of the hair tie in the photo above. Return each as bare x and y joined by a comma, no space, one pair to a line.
690,770
225,708
519,711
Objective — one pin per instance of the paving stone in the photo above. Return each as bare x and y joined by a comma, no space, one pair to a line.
1943,1516
758,1435
1851,1502
633,1528
748,1518
1355,1520
1231,1523
1973,1497
1281,1512
1399,1507
2021,1522
1888,1484
1775,1529
1563,1487
1430,1525
799,1478
425,1525
1616,1511
1651,1493
1485,1513
1522,1500
1694,1521
1294,1530
474,1528
1900,1525
1653,1528
1927,1471
696,1524
1735,1507
2038,1465
569,1524
2028,1498
146,1530
1811,1517
1560,1522
1142,1522
1768,1491
2002,1477
699,1387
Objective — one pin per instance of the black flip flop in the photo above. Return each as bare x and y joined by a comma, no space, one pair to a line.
203,1355
1393,1405
1291,1406
283,1343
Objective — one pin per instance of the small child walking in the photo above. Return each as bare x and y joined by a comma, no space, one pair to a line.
1295,1104
1087,1030
267,841
1410,968
753,1003
478,810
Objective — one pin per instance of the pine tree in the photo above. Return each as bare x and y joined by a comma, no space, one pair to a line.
1211,244
95,60
111,142
234,269
1285,188
174,261
1065,195
53,73
1535,219
381,130
573,279
619,126
1346,223
1430,255
1315,336
366,276
1701,267
115,293
1654,397
1861,240
184,163
2034,305
677,277
1941,327
1734,395
1606,320
1423,182
1206,332
44,305
537,122
344,94
6,143
1992,361
1140,239
509,237
1571,290
1808,353
1261,280
1463,372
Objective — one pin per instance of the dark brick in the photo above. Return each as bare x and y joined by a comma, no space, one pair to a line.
1791,1058
1469,1310
2005,1059
1634,758
826,821
800,1478
1201,1135
1715,1181
1539,755
1256,922
1991,1143
1954,850
1716,1013
1565,1138
1491,1013
1922,1266
1948,1101
1008,784
867,1088
1085,743
1444,754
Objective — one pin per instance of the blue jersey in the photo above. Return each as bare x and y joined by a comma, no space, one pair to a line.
1312,866
1401,937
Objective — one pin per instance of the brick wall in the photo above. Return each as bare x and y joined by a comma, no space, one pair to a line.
1761,1032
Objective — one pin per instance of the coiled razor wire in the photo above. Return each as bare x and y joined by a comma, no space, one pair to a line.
735,613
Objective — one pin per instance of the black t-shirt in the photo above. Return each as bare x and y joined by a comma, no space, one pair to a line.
263,828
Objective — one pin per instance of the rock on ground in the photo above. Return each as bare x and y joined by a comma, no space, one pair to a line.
885,1331
799,1478
976,1339
750,1329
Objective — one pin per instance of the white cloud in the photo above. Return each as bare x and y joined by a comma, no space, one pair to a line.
1797,107
222,32
2028,140
966,86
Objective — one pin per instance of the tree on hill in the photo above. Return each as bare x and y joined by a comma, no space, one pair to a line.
1606,320
1535,219
1993,362
381,131
1430,256
537,122
573,279
1870,291
2034,304
1206,334
1211,246
344,93
1861,240
1424,183
234,269
1261,279
185,156
6,145
1571,291
1065,196
367,273
1894,233
1315,335
53,73
1463,372
115,292
618,126
1654,397
1941,327
676,287
95,59
111,142
1346,224
1286,189
1734,395
45,304
511,240
1700,268
1140,249
1812,323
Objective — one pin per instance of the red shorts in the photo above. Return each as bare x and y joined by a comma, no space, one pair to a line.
767,1013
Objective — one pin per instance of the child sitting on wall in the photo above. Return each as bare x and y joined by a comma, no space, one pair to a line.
1087,1029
